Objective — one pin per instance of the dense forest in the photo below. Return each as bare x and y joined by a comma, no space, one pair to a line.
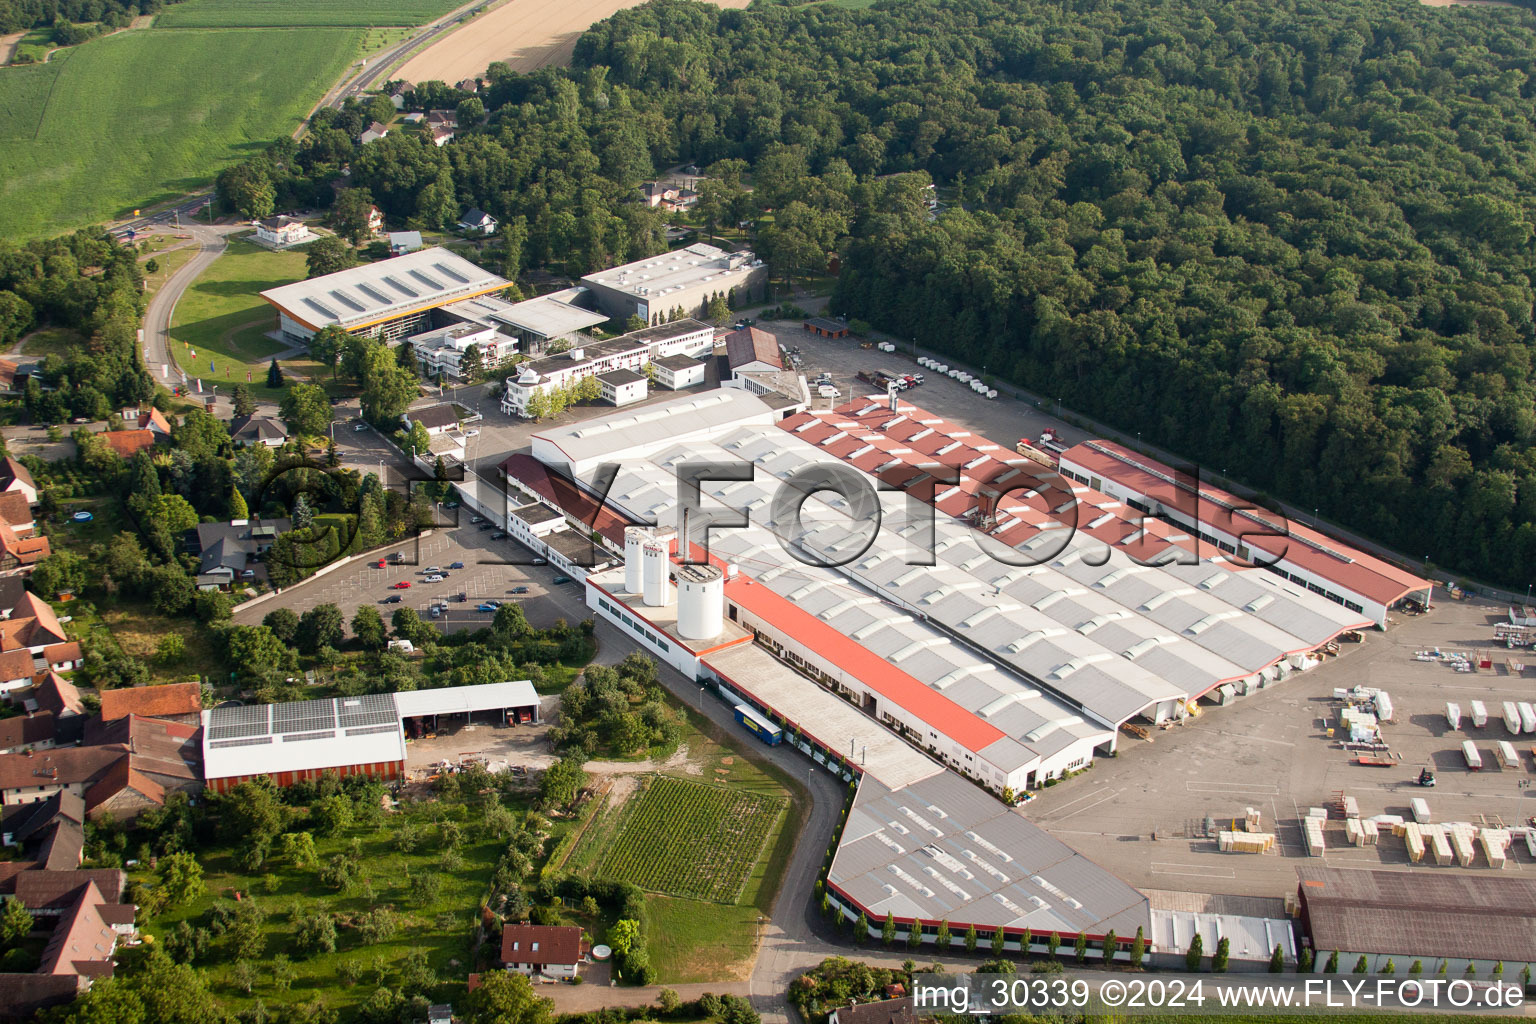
1291,241
17,15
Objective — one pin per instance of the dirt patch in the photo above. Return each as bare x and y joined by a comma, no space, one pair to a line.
525,34
620,789
8,46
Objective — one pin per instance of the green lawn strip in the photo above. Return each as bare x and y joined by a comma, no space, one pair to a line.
184,104
223,319
691,941
296,13
51,341
442,927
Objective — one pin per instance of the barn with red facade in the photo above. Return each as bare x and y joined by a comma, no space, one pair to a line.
363,735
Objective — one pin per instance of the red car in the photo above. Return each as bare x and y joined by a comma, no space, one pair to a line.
402,585
379,564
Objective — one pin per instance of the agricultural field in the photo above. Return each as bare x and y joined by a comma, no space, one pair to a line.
139,117
690,839
292,13
221,317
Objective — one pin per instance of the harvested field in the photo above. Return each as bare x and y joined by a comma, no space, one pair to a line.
526,34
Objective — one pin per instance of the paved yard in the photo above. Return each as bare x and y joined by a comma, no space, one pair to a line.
485,576
1271,751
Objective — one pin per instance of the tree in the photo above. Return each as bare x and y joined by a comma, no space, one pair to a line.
888,931
244,404
1361,966
1389,968
298,849
282,972
303,513
306,408
861,929
1277,960
1304,961
999,942
237,506
470,111
60,572
15,922
507,998
562,781
1052,943
1416,968
420,442
327,255
327,344
181,878
1223,954
319,627
255,650
970,938
1138,949
941,937
351,213
1332,966
1193,956
274,375
330,815
1080,947
1110,942
914,935
368,628
284,624
170,648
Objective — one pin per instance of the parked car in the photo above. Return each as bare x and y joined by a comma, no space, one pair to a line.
562,579
435,611
360,427
486,607
518,590
499,535
540,561
379,564
434,578
393,599
476,520
450,504
402,585
487,526
455,565
429,570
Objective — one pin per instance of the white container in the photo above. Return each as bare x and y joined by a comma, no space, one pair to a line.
1420,808
1527,716
1512,718
1474,759
1453,714
1479,714
1383,706
1505,752
943,367
954,374
991,392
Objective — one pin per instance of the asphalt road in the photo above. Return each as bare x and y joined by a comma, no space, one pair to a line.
157,318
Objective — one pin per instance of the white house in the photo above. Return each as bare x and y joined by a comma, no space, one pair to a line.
678,371
282,231
477,222
437,419
622,387
373,133
14,477
555,951
442,351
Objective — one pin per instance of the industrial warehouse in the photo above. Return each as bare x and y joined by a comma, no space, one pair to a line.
1047,621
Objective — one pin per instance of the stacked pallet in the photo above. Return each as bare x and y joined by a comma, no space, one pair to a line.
1371,832
1439,845
1361,833
1245,842
1463,837
1350,806
1495,842
1313,827
1251,820
1415,842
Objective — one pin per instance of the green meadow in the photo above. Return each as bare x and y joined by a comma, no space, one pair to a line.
264,13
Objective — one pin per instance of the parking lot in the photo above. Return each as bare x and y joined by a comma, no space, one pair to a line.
1271,751
485,576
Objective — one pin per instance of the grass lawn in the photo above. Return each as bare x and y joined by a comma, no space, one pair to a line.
36,44
51,341
290,13
222,318
168,263
136,118
441,925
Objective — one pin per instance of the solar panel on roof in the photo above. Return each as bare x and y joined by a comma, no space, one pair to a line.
298,737
446,271
424,279
321,308
253,741
346,299
370,730
400,286
373,293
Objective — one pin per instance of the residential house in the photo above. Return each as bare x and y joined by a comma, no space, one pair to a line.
555,951
672,198
53,693
437,419
14,477
441,125
886,1011
468,85
127,443
752,348
231,552
282,231
150,419
87,919
31,640
171,702
373,133
477,222
35,730
375,220
13,376
441,135
52,831
622,387
402,242
64,657
247,430
17,514
398,92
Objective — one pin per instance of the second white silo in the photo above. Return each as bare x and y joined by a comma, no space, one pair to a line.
700,601
654,563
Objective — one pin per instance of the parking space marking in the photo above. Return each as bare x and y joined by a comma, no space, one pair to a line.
1218,788
1197,870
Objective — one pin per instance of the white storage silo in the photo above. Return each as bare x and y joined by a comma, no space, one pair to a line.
700,601
634,539
653,580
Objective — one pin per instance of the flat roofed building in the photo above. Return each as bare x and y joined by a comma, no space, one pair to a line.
633,351
535,322
1359,581
443,352
622,387
391,299
679,372
683,279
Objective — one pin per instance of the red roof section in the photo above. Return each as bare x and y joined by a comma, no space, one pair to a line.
151,701
127,442
540,944
564,494
1356,571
